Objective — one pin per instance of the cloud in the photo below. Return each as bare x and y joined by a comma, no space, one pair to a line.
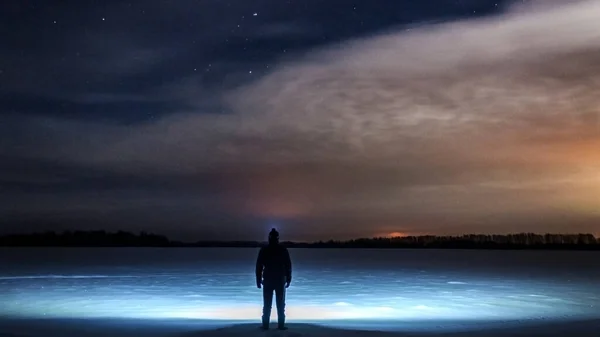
468,123
503,82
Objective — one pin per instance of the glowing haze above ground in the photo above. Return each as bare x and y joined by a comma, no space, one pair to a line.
333,119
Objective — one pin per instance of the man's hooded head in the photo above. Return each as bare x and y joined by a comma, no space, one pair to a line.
273,237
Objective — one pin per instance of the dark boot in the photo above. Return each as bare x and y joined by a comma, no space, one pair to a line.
265,323
281,323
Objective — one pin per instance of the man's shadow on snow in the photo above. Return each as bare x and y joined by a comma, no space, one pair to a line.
295,330
586,328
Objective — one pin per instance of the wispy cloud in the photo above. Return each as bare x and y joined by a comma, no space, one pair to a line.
463,123
487,90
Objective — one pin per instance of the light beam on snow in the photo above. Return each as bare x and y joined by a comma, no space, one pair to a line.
316,295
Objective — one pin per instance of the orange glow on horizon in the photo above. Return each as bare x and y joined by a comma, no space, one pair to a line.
396,235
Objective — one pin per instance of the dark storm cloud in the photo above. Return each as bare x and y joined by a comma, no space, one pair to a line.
485,125
120,48
88,108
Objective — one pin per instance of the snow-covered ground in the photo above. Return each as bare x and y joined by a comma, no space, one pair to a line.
200,290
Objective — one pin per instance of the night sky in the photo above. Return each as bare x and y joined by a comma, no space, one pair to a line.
210,119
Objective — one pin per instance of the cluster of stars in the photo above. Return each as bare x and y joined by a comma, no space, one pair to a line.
240,31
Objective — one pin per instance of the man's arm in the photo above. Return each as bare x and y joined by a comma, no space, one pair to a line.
288,267
259,267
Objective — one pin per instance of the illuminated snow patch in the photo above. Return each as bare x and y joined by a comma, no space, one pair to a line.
422,307
313,296
342,303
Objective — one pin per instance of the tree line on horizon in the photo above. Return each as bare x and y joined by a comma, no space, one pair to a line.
467,241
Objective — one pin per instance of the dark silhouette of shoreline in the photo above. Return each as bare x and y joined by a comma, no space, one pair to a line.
470,241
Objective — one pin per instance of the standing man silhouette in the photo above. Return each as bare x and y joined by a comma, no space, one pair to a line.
273,274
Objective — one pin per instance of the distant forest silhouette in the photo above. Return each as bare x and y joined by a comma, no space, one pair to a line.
470,241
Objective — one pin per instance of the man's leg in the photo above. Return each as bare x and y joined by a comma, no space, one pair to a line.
280,303
267,303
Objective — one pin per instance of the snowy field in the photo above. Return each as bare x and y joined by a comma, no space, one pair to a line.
178,290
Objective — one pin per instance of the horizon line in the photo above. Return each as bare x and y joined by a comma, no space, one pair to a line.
139,233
